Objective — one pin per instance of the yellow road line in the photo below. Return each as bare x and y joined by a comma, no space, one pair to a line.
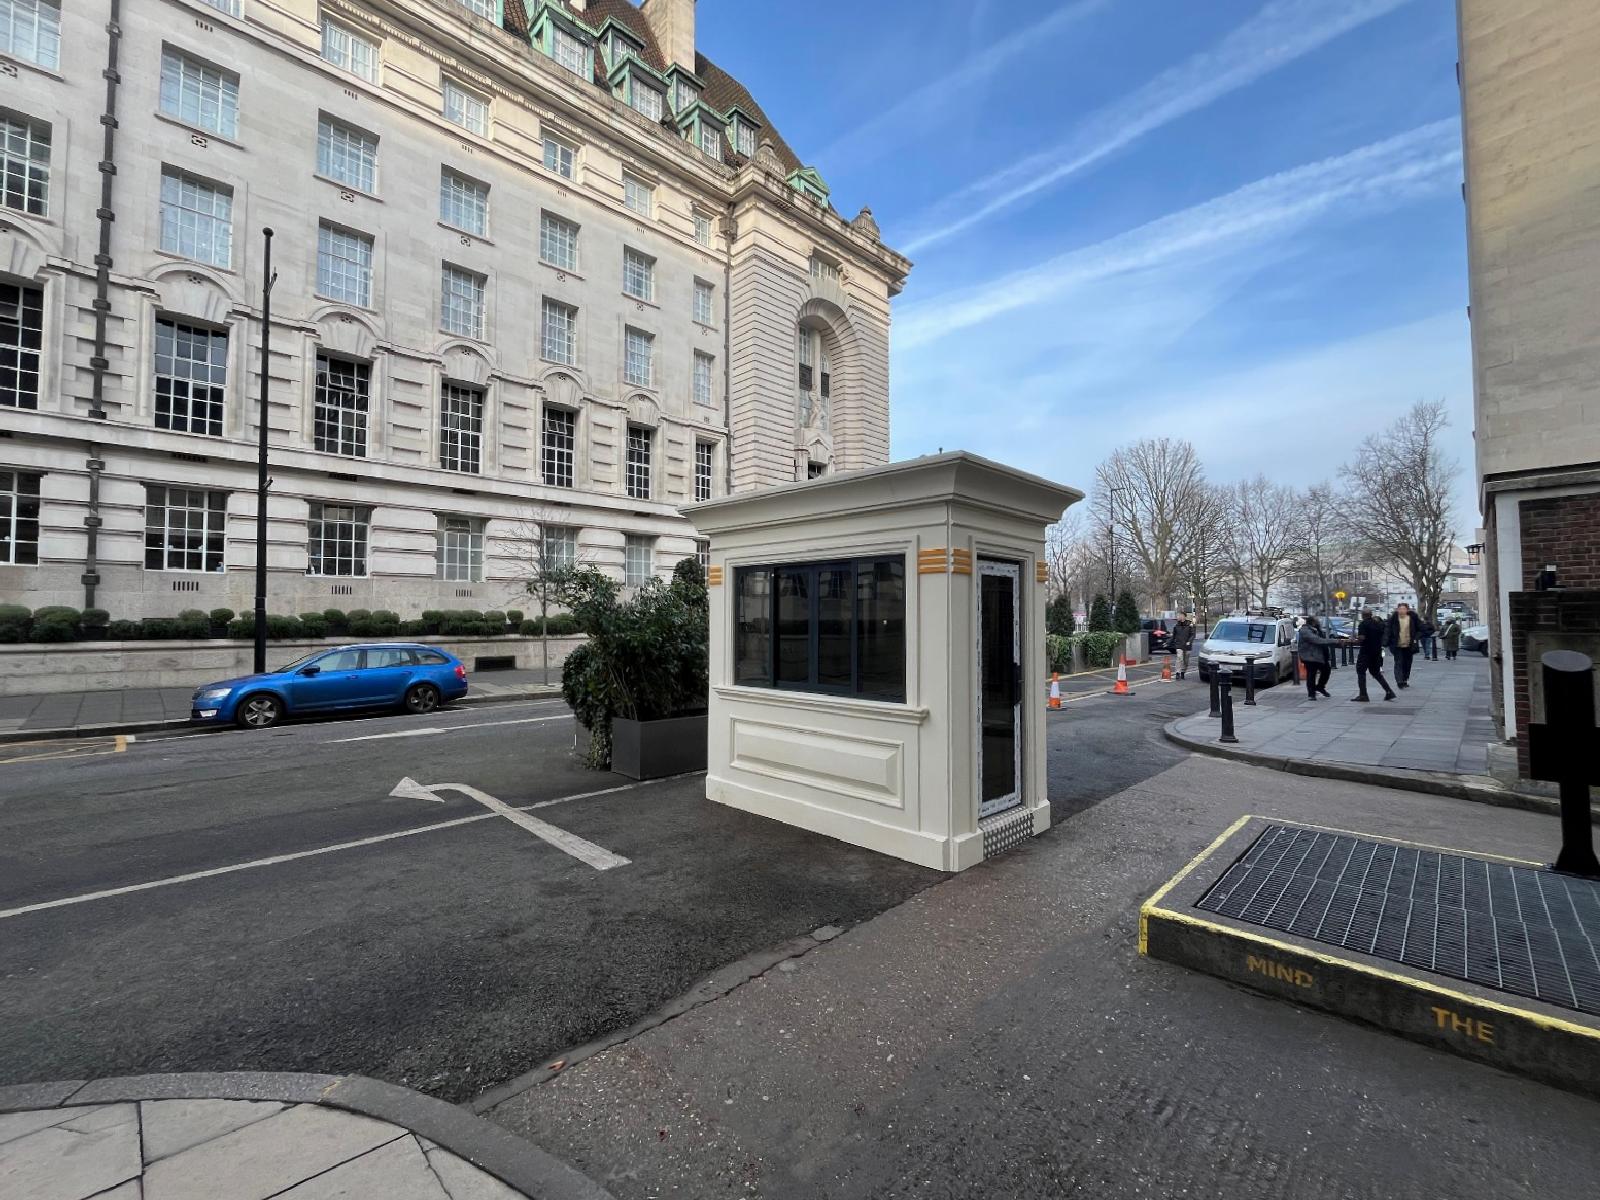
1216,844
85,749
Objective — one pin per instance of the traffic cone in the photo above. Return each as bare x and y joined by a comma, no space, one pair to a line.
1055,689
1301,669
1122,688
1166,671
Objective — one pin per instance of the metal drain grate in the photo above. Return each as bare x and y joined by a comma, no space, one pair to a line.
1521,930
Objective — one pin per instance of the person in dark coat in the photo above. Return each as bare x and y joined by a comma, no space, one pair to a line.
1316,651
1404,637
1451,637
1370,633
1181,640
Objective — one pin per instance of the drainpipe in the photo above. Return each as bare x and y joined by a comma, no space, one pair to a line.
727,342
102,300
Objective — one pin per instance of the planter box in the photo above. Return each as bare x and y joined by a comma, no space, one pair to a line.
653,749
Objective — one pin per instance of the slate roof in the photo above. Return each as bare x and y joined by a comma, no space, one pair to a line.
722,91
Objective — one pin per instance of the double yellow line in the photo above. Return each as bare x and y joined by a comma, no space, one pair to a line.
50,750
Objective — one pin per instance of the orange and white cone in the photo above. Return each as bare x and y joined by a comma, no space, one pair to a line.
1166,671
1055,689
1122,688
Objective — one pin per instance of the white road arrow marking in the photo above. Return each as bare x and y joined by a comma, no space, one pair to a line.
597,857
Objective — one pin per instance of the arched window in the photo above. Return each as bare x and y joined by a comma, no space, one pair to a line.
814,384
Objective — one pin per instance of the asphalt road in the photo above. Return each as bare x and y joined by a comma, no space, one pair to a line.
448,948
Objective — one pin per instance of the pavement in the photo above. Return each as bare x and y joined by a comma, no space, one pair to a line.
1441,724
143,710
300,1137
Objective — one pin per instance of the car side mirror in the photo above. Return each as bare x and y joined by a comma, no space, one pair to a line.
312,670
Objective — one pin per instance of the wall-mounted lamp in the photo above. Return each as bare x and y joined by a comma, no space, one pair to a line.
1475,554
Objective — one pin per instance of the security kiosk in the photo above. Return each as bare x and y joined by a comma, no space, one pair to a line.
877,655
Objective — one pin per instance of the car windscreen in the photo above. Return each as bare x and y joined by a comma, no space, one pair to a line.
300,662
1242,631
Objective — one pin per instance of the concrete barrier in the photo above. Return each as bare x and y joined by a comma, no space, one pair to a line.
32,669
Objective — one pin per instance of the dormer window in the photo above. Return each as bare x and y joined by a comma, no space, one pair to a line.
569,51
619,47
644,99
710,140
744,138
684,95
809,183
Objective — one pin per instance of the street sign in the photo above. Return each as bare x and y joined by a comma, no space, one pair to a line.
597,857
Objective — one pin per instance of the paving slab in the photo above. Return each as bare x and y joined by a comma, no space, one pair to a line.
171,1126
397,1170
92,1153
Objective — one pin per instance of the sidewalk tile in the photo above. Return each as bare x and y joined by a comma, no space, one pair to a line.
464,1181
88,1155
16,1125
267,1157
396,1171
171,1126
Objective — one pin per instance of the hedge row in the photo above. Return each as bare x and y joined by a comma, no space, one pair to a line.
1099,650
60,624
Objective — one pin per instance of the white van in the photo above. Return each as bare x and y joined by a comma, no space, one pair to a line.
1269,639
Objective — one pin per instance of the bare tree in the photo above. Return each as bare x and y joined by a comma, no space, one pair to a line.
1205,548
1264,538
1064,555
1146,491
1402,479
543,548
1325,549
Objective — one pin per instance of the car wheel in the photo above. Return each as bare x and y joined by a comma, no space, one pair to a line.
422,698
260,711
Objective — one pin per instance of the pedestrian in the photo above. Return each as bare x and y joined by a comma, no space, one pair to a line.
1404,638
1370,635
1315,649
1182,641
1451,637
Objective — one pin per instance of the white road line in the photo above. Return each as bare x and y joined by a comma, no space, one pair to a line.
190,876
378,737
597,857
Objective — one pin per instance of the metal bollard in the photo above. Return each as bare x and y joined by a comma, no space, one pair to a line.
1215,693
1227,710
1557,752
1250,678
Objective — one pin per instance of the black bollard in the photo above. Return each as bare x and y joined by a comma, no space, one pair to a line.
1559,751
1216,711
1227,710
1250,679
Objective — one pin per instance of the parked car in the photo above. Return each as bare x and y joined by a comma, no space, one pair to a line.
1160,631
1475,640
1270,640
1341,627
402,675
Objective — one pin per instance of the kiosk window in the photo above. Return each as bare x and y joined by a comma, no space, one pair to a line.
837,627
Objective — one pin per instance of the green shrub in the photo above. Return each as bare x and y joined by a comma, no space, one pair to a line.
1058,653
219,620
494,618
15,623
385,623
646,657
157,627
1100,648
55,623
314,625
338,623
1100,615
1126,617
430,620
120,631
282,627
514,616
414,629
192,623
96,618
242,627
462,622
1059,618
561,625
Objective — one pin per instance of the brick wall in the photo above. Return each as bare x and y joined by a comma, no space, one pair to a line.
1564,530
1542,621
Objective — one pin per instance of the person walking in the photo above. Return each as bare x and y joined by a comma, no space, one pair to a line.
1315,648
1370,635
1451,637
1182,641
1404,636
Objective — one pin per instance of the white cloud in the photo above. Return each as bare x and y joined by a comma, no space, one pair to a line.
951,87
1382,175
1282,31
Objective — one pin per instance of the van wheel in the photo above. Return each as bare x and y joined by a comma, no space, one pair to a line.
422,698
260,711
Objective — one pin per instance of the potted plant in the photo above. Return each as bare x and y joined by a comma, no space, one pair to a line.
639,684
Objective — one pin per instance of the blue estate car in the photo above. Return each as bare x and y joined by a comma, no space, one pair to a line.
387,675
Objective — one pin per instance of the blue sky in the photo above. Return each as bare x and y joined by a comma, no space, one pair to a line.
1233,221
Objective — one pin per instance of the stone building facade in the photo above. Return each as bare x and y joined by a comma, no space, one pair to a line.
544,274
1530,99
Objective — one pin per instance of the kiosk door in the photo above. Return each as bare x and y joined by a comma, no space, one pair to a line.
999,687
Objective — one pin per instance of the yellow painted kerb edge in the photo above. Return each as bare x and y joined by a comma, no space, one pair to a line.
1149,905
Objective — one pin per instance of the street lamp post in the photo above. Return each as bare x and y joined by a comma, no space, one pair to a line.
1111,530
262,482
